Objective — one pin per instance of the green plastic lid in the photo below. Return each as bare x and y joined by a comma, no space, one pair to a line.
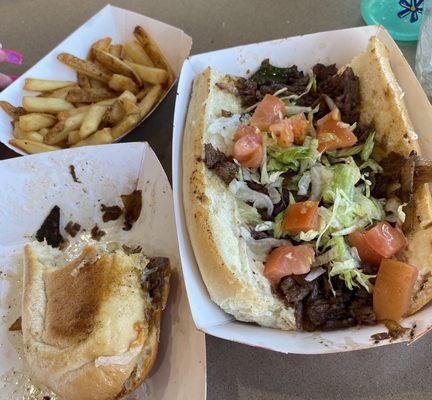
401,18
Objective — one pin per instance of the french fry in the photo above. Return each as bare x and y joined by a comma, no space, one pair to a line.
102,44
113,114
91,95
45,85
151,48
35,121
115,65
116,50
43,131
31,147
59,132
59,93
92,120
12,111
146,104
125,125
85,67
128,95
100,137
97,84
134,52
73,137
33,136
143,92
49,105
149,74
63,115
83,81
17,132
129,107
120,83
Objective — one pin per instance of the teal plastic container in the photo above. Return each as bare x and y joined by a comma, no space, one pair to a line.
401,18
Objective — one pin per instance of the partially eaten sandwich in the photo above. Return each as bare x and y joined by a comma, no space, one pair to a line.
91,324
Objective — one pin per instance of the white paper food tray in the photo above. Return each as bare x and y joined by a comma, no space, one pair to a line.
110,21
305,51
31,186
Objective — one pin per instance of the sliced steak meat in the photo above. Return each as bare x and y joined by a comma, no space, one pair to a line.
220,163
324,72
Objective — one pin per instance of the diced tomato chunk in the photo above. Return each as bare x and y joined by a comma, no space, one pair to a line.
248,150
334,134
270,110
367,254
300,127
288,260
301,217
393,289
282,130
384,239
243,130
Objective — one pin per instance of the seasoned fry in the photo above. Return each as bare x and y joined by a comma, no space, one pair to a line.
97,84
35,121
89,95
92,120
44,131
125,125
149,101
73,137
102,44
115,65
83,81
129,107
149,74
100,137
151,48
59,93
128,95
85,67
60,131
116,50
113,114
120,83
134,52
33,136
45,85
32,147
17,132
142,93
63,115
49,105
12,111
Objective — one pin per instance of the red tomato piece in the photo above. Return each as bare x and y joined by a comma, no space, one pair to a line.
270,110
384,239
248,150
243,130
300,127
367,254
301,217
333,133
393,289
283,132
288,260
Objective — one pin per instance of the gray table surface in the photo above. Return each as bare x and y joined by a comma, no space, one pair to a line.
236,371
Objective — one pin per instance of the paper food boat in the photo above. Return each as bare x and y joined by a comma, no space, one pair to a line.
328,47
31,186
110,21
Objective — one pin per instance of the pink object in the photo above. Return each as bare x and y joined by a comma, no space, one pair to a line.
13,77
13,57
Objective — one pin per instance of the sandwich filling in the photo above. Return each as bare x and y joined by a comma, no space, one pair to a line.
318,203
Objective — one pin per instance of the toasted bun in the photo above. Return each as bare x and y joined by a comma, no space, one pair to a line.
234,281
382,105
90,331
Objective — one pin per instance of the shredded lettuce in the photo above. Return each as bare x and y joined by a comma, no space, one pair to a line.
320,178
345,176
349,272
277,226
306,236
264,226
303,184
373,165
288,159
243,192
350,151
368,147
248,214
226,127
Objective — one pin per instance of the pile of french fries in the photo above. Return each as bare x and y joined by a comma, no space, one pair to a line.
117,86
